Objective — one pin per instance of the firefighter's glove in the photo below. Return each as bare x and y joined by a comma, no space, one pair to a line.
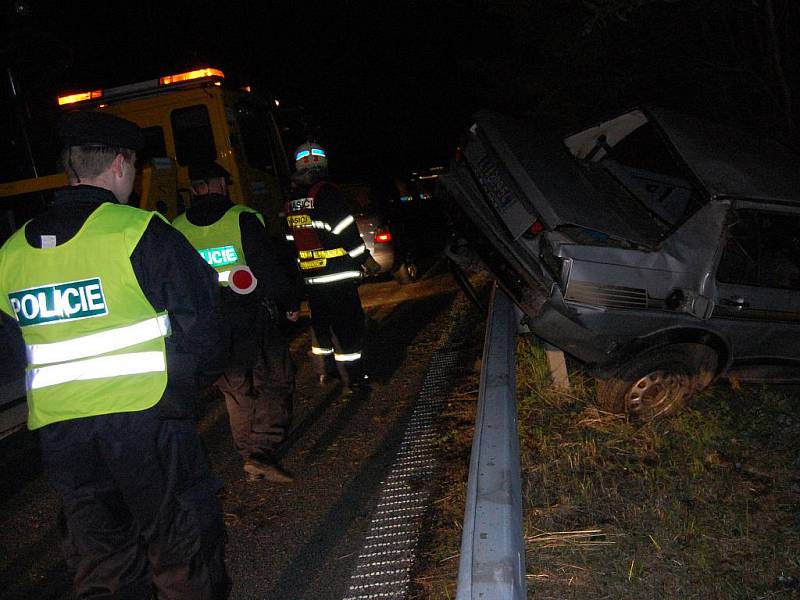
371,266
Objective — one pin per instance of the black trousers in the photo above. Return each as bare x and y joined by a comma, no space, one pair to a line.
139,507
336,315
259,397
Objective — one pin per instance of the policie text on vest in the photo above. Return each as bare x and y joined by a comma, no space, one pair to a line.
59,302
219,257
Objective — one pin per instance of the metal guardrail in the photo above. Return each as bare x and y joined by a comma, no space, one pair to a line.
492,565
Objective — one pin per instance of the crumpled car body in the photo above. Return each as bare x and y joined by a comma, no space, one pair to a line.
649,230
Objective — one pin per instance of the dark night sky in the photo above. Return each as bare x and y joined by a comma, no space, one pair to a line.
379,88
389,85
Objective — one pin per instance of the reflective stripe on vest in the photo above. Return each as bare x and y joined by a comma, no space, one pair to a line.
95,368
103,342
333,277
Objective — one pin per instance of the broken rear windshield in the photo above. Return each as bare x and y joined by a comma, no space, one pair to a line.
643,165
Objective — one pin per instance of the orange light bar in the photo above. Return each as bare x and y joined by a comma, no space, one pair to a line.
189,75
83,96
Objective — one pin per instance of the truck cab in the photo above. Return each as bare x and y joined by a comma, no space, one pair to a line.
190,117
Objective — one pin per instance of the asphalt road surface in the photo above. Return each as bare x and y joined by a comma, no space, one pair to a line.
299,540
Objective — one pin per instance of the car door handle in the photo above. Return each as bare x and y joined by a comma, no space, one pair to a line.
735,302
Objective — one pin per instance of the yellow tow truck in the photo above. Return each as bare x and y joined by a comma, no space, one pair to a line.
189,117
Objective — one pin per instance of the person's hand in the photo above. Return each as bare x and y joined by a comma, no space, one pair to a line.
293,315
371,265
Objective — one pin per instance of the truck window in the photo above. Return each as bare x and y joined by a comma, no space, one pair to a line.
194,139
153,144
255,128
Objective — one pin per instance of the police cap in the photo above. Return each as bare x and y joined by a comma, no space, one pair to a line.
89,128
206,171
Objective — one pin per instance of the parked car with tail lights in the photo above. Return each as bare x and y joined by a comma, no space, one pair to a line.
378,240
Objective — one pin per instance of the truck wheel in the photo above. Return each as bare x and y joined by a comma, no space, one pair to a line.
658,382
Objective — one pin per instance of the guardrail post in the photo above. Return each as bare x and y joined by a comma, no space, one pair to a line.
492,564
558,366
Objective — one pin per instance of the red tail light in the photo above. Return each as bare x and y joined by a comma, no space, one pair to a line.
382,236
536,227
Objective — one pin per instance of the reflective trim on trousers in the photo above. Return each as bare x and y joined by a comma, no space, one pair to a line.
333,277
342,224
95,368
321,351
347,357
103,342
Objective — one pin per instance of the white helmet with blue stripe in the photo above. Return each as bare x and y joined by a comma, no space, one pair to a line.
310,155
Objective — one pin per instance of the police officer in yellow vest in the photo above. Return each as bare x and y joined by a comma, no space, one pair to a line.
119,317
258,382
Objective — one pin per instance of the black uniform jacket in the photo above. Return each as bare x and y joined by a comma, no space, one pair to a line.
276,278
173,277
329,206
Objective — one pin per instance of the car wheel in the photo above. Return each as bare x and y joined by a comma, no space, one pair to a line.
413,272
658,382
406,273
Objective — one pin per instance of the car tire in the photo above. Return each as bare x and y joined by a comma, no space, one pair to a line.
406,273
657,382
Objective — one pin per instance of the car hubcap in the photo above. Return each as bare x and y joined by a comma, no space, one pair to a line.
655,394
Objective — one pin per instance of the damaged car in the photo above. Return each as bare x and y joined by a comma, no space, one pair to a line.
660,249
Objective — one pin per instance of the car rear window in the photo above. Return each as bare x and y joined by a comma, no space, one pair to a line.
644,166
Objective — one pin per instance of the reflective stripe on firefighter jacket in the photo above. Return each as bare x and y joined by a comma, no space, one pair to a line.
95,344
322,253
220,243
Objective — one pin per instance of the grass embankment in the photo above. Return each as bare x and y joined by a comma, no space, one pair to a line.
700,505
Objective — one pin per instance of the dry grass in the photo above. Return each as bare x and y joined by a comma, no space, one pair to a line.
700,505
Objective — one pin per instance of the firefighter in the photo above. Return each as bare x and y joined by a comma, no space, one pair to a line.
258,382
332,257
119,317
